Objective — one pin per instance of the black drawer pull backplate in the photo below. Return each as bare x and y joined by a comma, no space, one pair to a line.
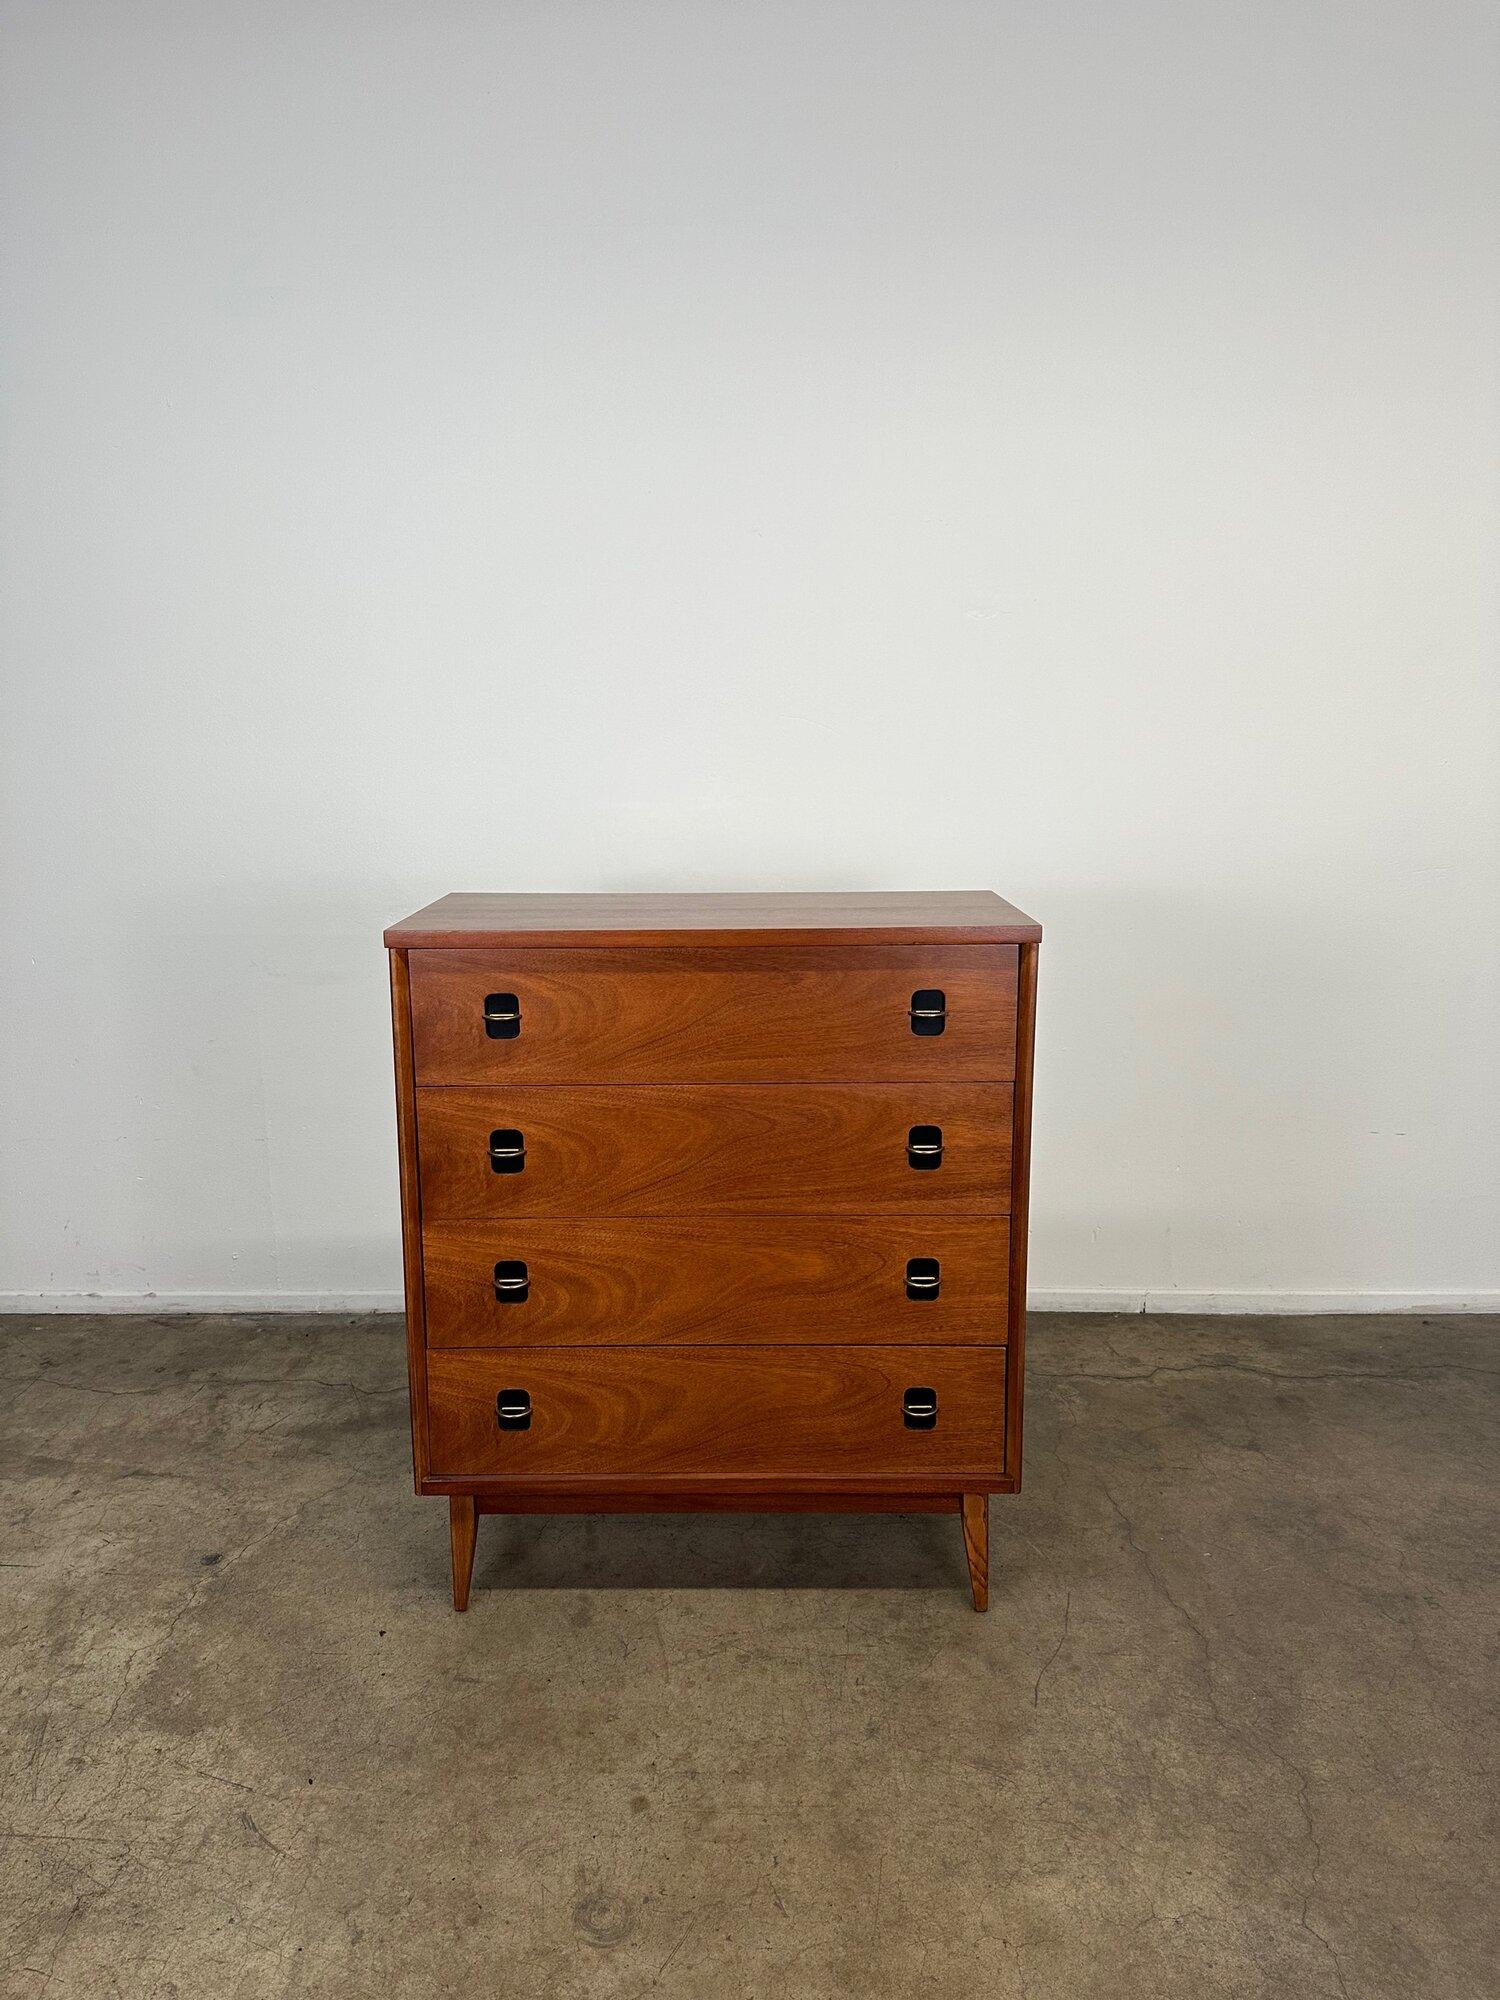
502,1016
513,1410
923,1275
512,1282
929,1011
924,1147
919,1409
508,1151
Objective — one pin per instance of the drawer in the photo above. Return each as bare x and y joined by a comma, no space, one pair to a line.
694,1413
685,1149
814,1015
540,1283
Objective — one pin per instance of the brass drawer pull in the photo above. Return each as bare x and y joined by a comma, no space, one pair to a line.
508,1151
928,1012
502,1016
513,1410
924,1147
923,1277
512,1282
919,1409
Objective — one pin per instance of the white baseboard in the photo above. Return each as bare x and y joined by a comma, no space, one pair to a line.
201,1302
1264,1302
1041,1302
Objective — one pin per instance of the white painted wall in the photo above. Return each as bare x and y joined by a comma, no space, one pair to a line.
1047,447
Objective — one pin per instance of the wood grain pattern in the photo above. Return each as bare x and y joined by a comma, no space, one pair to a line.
703,1279
411,1214
619,1150
733,1491
1020,1153
634,922
463,1529
717,1208
690,1412
702,1016
976,1517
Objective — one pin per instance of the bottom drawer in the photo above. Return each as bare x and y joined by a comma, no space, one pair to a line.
694,1412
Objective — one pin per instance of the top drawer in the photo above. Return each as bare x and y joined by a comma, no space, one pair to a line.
891,1014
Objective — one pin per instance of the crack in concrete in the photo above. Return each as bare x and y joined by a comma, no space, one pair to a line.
1241,1735
1162,1589
1317,1862
247,1820
193,1384
1062,1640
1265,1374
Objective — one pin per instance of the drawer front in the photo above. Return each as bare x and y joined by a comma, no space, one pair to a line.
715,1149
816,1015
696,1412
539,1283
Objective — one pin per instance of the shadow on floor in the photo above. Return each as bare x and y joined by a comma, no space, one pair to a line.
721,1552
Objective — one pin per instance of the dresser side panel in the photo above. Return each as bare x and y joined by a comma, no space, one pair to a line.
411,1213
1020,1208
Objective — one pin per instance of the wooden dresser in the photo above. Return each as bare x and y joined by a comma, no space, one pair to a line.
715,1202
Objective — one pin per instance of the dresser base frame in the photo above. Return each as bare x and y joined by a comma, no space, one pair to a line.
465,1508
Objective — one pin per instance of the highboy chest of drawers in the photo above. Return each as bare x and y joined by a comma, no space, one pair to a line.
715,1202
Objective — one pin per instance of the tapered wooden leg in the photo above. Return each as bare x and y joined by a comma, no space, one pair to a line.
977,1546
463,1528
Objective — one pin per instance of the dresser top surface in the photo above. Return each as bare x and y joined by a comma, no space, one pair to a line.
970,916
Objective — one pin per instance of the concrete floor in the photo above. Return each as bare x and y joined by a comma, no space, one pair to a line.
1223,1732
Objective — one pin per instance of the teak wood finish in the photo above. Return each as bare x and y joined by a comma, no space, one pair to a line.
762,1280
714,1149
745,922
739,1289
821,1015
699,1413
